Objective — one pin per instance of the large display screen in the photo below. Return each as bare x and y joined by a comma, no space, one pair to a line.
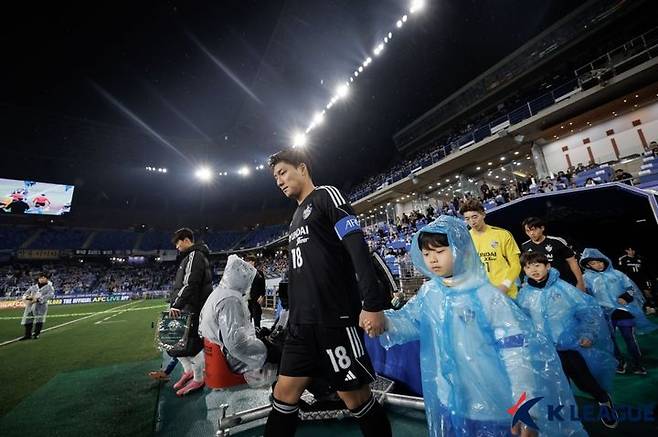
31,197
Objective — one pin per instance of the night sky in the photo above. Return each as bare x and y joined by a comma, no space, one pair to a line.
227,83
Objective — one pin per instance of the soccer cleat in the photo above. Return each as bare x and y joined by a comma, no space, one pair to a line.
191,386
621,367
639,370
35,337
185,377
609,416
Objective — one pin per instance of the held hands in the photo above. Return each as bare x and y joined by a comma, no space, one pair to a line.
503,288
585,342
374,323
261,300
523,430
174,313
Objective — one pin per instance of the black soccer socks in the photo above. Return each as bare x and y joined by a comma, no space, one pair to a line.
282,420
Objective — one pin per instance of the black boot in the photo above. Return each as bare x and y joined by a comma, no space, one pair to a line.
28,332
37,330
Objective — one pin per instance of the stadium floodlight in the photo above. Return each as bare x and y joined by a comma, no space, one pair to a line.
204,174
390,35
378,49
318,118
351,79
404,18
164,170
416,6
385,40
342,90
369,60
360,69
299,140
244,171
398,24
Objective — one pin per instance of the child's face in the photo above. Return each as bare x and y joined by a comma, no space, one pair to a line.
536,271
438,260
599,266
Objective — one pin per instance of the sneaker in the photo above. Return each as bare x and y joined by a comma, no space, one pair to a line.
621,367
185,377
191,386
35,337
639,370
609,416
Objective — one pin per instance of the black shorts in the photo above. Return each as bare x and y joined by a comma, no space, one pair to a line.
335,354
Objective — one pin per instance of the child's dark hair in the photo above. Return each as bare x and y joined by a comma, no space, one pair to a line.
430,240
471,205
532,258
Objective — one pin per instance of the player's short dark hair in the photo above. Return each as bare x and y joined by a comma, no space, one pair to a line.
43,275
471,205
182,234
431,240
533,222
250,258
294,157
532,258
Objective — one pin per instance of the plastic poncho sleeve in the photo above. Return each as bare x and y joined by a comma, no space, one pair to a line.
30,291
631,288
238,336
403,326
47,292
194,272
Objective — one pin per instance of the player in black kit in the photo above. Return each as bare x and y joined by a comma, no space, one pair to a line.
328,305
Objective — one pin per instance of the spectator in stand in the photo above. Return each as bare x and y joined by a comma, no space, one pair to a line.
653,146
556,249
622,176
590,182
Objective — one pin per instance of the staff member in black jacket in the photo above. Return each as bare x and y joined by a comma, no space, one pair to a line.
257,293
192,286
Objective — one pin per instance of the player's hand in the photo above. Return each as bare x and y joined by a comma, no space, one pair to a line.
503,288
174,313
261,300
580,285
622,301
585,342
374,323
523,430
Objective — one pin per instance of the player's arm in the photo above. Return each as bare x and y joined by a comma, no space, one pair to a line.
572,262
348,229
513,270
194,271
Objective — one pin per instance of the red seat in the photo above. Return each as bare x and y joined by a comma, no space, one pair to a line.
217,373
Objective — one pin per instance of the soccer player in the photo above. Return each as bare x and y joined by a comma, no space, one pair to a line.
327,253
40,201
561,257
496,247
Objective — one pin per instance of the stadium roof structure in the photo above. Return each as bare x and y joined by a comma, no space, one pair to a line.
607,216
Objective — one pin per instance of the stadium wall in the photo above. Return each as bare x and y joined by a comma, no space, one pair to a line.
622,132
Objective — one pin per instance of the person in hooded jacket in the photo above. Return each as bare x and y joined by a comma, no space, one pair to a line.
621,301
481,356
225,321
36,306
575,324
192,286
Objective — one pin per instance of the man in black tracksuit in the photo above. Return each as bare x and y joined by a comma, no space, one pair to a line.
256,294
192,286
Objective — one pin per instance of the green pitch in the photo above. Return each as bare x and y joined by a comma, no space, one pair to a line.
86,376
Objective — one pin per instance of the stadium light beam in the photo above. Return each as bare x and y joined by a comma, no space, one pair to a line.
299,140
416,6
342,90
318,118
244,171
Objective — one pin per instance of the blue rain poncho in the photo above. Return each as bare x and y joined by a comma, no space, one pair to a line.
565,315
478,351
608,285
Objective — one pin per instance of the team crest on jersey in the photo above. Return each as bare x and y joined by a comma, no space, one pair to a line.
307,211
549,248
494,244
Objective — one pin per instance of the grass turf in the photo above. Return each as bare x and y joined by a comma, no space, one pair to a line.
126,337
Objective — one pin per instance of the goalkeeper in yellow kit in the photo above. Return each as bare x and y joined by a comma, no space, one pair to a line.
496,246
